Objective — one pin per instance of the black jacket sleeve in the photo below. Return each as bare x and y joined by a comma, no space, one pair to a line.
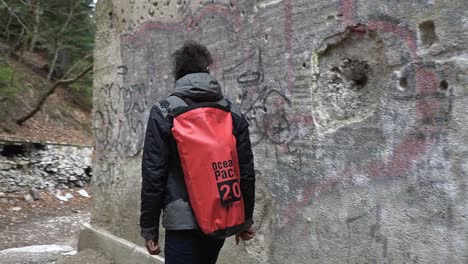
246,166
154,175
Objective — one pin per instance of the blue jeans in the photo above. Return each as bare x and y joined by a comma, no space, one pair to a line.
191,247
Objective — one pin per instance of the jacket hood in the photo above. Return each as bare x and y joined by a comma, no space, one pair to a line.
198,87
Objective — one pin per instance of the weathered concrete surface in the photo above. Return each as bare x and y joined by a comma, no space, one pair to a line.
121,251
358,116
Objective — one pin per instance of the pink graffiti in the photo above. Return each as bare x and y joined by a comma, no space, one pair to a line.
186,24
411,148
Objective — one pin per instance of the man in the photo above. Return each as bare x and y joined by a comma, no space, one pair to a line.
163,186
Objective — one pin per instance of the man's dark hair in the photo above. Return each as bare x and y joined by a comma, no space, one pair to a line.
191,58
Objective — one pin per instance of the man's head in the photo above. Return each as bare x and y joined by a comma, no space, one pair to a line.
191,58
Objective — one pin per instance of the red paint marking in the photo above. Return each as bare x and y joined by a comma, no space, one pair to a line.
288,32
426,81
186,24
410,149
403,33
402,160
347,11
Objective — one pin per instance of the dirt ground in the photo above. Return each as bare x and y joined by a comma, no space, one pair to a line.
44,221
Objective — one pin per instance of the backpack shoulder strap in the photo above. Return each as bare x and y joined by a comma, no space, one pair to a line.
232,107
170,104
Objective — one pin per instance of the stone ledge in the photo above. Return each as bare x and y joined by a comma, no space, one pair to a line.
122,251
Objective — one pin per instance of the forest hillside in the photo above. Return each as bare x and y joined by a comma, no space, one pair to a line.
46,70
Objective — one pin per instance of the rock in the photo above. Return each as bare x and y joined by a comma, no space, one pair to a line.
79,184
23,162
62,179
69,196
61,186
7,165
72,178
29,198
61,197
83,193
16,209
35,193
12,189
50,168
79,171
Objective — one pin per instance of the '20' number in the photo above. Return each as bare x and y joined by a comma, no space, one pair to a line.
229,191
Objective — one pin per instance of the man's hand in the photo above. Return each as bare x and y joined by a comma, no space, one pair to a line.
245,235
153,247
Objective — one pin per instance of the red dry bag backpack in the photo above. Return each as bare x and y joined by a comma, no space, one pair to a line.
208,155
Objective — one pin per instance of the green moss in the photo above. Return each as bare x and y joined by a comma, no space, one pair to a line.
7,90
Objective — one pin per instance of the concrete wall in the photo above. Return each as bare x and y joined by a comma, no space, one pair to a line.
358,118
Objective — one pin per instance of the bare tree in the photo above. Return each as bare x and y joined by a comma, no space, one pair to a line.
63,81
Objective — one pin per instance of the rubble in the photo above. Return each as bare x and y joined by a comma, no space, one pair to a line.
35,167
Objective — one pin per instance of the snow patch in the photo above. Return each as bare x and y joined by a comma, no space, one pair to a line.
83,193
41,249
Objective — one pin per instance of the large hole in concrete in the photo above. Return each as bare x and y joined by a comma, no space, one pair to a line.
427,33
351,79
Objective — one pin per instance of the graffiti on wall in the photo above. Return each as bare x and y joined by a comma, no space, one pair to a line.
419,80
266,97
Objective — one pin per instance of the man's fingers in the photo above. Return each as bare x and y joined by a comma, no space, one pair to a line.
246,235
153,247
157,250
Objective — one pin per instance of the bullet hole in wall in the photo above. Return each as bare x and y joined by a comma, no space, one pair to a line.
231,4
444,85
403,82
151,13
304,65
427,33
